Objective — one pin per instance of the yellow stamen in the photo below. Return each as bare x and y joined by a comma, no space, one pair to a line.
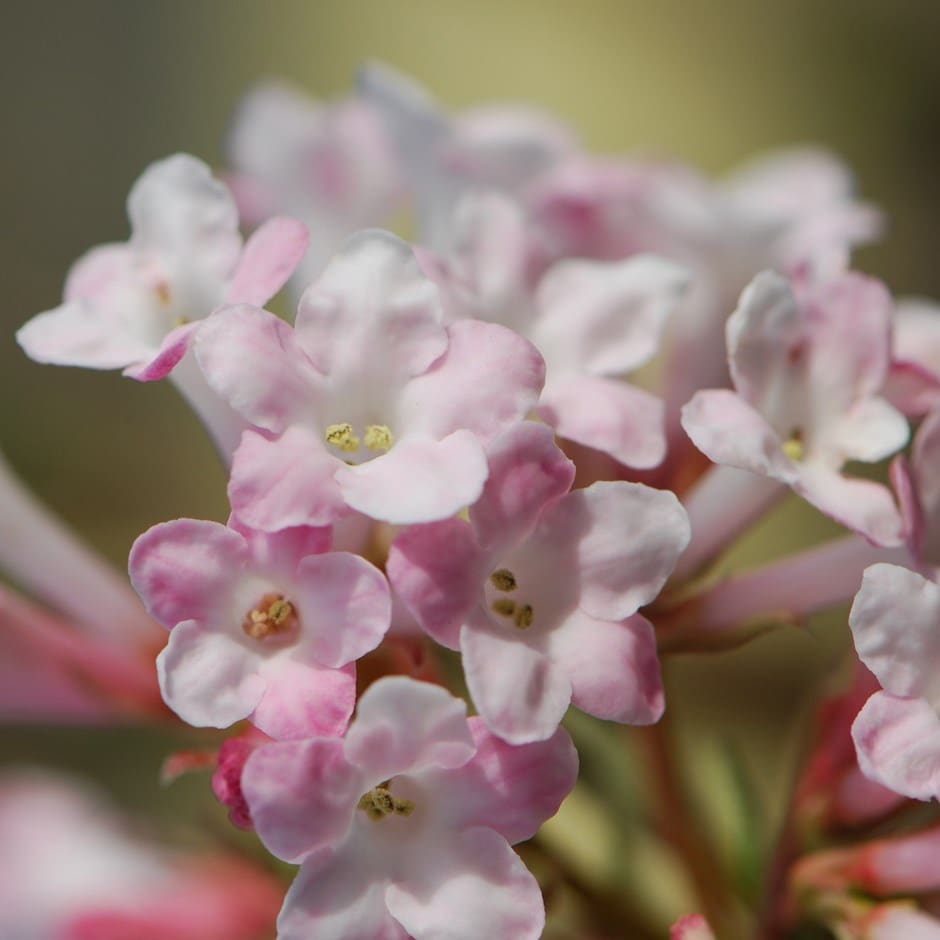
379,803
162,291
793,446
523,616
378,437
342,438
503,580
503,606
273,616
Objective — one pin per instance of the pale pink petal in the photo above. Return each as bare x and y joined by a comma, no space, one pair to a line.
96,272
418,480
209,679
337,897
608,415
896,921
491,250
284,482
79,333
507,145
174,346
480,877
372,304
519,691
917,333
725,428
279,553
267,261
764,337
249,357
864,506
895,623
613,667
605,319
489,378
186,569
403,726
870,431
913,389
438,570
898,744
622,538
303,699
850,318
527,473
691,927
179,211
346,605
302,795
510,788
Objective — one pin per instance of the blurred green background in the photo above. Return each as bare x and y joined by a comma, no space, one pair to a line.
95,90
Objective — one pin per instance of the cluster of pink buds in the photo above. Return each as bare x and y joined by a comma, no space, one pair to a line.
478,482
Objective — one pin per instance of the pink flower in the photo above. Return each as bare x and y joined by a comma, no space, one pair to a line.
914,383
70,869
539,590
917,484
808,369
263,626
495,147
329,165
370,403
691,927
592,322
184,258
895,623
404,828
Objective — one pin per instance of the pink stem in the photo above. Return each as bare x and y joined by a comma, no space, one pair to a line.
791,587
49,561
721,505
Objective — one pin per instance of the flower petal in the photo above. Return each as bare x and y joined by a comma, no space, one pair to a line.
895,623
304,699
613,667
288,481
477,875
301,794
520,692
608,415
267,261
898,744
208,678
350,605
403,726
418,480
186,569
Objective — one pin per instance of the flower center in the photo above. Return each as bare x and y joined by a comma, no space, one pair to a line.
522,615
379,803
274,615
793,446
375,437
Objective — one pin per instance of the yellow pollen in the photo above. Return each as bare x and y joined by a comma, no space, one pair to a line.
378,437
273,616
503,606
523,616
162,291
379,803
342,438
503,580
793,446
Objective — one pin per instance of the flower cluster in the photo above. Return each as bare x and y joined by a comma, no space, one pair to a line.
446,449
